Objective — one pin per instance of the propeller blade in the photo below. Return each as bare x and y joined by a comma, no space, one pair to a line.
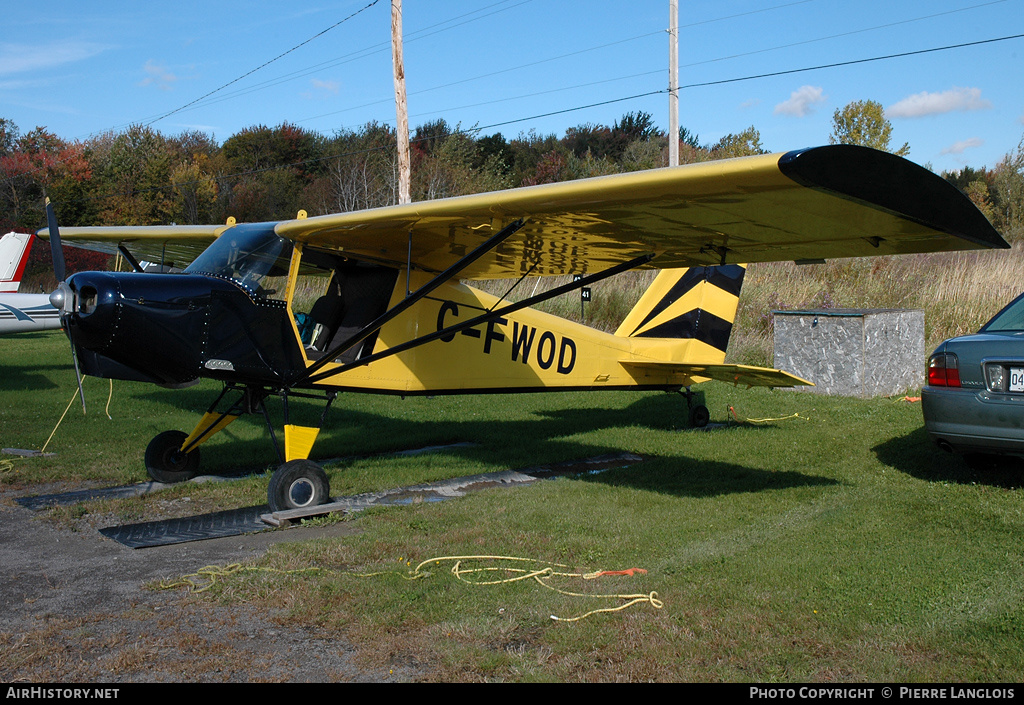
60,297
56,251
78,374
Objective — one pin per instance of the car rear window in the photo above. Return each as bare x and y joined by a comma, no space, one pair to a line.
1010,318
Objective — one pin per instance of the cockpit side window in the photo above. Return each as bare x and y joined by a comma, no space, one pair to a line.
354,296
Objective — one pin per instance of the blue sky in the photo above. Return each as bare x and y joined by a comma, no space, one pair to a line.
82,68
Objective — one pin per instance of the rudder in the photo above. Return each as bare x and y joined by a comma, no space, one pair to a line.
14,249
696,302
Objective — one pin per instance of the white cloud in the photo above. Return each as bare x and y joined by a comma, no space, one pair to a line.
925,103
959,147
19,58
801,101
158,75
332,87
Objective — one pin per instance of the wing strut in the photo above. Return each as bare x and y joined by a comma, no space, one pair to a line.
409,300
483,318
131,260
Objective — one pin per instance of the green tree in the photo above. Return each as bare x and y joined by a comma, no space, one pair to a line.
636,126
361,171
448,170
1008,193
495,147
863,123
744,144
268,170
134,170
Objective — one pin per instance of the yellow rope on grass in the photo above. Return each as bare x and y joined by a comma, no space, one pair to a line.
205,578
110,396
797,415
541,575
59,420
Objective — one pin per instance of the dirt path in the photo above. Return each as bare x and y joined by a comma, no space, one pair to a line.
73,609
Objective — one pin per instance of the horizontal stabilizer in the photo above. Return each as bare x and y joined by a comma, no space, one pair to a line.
734,374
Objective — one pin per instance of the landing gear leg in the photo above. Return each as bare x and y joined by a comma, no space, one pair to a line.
699,414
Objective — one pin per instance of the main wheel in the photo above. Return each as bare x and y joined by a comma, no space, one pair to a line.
298,484
166,463
699,416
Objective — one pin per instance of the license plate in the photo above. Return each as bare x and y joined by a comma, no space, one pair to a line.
1017,379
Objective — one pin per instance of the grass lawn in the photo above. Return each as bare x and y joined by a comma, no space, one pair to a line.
834,545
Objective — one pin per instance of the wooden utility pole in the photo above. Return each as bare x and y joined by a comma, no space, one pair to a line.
673,83
402,125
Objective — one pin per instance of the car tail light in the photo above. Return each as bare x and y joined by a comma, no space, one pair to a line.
943,370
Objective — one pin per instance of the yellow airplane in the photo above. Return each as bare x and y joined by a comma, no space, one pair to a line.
395,316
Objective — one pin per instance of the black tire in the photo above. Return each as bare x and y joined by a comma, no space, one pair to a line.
699,416
298,484
166,463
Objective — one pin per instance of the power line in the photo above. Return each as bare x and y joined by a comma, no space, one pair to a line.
264,64
852,62
352,56
844,34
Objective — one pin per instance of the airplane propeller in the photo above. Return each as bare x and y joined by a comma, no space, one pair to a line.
62,298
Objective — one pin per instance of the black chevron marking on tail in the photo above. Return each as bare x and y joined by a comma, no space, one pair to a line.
728,278
699,324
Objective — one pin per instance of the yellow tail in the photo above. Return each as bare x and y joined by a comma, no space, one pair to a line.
698,303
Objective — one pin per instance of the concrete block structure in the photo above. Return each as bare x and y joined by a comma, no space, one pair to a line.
852,352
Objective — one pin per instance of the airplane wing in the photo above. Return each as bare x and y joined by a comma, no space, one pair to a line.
746,375
824,202
173,245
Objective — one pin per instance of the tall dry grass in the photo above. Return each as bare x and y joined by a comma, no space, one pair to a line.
958,292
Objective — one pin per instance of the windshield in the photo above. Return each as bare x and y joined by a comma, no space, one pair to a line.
1010,318
251,255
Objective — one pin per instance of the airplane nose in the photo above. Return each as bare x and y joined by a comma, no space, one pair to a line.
89,301
154,324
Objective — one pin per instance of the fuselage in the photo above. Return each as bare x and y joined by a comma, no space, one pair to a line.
25,313
234,315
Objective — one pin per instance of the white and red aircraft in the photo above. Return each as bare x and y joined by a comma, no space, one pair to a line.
21,313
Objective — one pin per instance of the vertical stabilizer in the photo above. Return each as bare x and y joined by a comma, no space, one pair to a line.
697,302
14,249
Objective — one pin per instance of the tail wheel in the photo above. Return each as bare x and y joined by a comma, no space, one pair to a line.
166,463
298,484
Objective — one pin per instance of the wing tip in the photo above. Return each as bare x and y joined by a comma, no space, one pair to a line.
891,183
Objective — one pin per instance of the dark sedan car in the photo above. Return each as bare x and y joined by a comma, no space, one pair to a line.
973,403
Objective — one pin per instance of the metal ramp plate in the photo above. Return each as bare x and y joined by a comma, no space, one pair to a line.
232,522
